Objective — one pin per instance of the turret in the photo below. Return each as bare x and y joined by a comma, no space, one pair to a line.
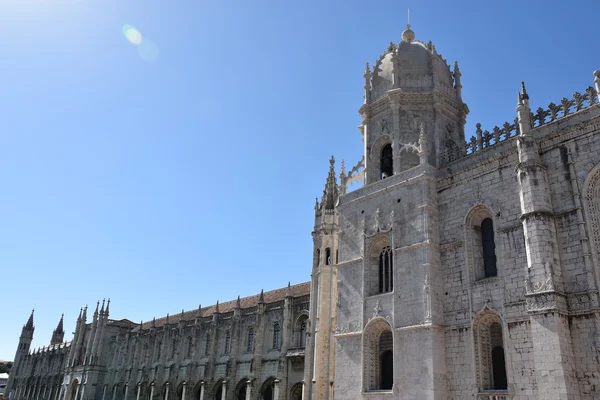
59,333
320,349
22,349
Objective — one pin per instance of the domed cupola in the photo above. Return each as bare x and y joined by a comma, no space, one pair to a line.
410,65
410,88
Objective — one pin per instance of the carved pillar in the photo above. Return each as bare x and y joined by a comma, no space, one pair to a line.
224,391
152,391
276,389
126,392
166,391
137,396
248,390
114,394
201,391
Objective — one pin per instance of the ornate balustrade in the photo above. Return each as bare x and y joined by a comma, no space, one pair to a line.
484,139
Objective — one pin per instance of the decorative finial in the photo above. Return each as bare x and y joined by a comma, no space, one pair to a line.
408,35
524,91
261,298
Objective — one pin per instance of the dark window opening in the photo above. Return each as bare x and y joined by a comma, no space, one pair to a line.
318,257
386,271
489,247
250,347
387,162
499,368
227,342
387,370
328,256
276,336
337,256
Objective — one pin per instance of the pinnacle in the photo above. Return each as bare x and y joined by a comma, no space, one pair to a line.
29,324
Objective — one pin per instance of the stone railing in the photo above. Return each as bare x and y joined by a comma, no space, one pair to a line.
564,108
484,139
494,395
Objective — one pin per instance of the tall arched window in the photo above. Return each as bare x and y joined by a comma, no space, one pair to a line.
489,352
250,347
386,270
227,342
276,335
378,369
318,257
489,247
302,341
386,162
328,256
158,350
189,347
174,349
207,344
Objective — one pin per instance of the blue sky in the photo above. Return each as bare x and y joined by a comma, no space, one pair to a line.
190,177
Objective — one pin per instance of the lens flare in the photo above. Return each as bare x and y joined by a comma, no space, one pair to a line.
133,35
148,50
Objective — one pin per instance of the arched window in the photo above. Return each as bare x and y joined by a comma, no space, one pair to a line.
328,256
480,244
386,270
250,347
302,342
207,344
488,247
189,347
276,335
378,369
489,352
318,257
227,342
158,350
174,349
386,162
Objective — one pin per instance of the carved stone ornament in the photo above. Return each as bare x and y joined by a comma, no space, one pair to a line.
376,310
415,124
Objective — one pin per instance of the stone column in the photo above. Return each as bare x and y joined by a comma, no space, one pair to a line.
201,391
137,396
248,389
166,391
104,392
114,392
77,393
152,392
127,390
82,391
224,391
182,391
303,387
395,134
276,389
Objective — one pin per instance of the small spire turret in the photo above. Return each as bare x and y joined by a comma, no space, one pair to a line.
330,194
59,333
29,325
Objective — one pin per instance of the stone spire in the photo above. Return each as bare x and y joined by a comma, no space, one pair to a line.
59,333
330,194
29,325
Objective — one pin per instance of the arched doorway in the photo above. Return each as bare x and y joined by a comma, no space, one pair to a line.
73,390
296,392
266,391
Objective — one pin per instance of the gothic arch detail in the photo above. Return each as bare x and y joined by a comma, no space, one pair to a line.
374,162
591,207
378,348
374,270
480,243
488,341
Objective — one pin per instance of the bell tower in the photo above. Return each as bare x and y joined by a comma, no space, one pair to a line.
409,85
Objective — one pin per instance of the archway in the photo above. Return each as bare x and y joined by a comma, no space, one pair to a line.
266,391
73,390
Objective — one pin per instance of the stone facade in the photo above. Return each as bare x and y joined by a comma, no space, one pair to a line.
245,349
461,269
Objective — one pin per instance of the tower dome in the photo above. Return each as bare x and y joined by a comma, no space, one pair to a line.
412,66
